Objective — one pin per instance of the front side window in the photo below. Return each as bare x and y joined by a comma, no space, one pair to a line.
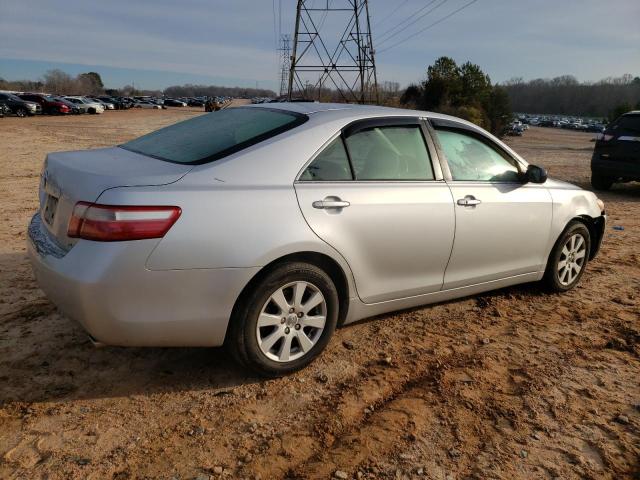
332,164
470,159
212,136
390,153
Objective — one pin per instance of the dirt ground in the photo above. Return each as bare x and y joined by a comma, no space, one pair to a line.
513,384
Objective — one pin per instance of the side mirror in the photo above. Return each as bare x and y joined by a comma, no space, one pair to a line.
535,174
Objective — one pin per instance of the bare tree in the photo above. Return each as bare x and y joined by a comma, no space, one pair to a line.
58,82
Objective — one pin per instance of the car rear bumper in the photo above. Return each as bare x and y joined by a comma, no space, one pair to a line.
106,288
625,165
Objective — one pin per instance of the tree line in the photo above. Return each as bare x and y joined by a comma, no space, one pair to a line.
90,83
190,90
463,91
565,95
58,82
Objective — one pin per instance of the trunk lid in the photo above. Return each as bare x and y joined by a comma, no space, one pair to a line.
71,177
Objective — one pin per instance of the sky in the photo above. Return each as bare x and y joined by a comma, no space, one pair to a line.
158,43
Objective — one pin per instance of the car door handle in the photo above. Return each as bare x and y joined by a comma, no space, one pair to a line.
469,201
324,204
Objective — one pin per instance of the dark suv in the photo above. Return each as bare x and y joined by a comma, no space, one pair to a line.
616,156
20,107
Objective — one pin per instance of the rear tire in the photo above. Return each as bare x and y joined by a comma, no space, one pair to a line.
601,182
569,258
275,330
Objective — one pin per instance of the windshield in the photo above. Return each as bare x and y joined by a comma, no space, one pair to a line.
215,135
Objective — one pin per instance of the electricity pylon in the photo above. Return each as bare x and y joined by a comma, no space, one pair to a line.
347,66
285,62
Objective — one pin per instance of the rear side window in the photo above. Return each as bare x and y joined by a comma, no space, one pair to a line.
390,153
332,164
215,135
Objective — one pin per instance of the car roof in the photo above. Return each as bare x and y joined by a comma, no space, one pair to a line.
348,110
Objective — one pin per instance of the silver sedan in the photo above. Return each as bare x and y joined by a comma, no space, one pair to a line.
264,228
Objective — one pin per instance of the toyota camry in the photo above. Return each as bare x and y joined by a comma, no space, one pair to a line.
264,227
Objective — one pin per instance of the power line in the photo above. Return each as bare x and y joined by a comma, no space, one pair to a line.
324,17
279,18
275,30
391,14
408,19
413,21
429,26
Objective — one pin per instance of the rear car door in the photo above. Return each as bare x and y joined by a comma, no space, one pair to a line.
502,224
376,196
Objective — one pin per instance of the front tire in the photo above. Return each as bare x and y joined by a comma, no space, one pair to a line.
569,258
601,182
285,321
21,112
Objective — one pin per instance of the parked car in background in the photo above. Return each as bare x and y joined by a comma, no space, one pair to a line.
118,103
266,226
195,102
616,155
74,108
48,103
107,105
18,106
516,129
147,104
596,127
86,104
171,102
122,103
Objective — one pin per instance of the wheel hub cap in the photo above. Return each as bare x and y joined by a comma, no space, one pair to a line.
291,321
572,258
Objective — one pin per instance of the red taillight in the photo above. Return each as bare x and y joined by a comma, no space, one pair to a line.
605,137
114,223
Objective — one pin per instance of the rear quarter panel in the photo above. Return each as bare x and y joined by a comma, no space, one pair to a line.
225,226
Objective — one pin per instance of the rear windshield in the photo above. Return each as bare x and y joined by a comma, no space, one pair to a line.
627,122
215,135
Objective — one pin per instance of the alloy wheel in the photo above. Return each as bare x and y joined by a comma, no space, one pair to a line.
291,321
572,259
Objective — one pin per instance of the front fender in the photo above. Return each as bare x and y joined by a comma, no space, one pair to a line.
572,203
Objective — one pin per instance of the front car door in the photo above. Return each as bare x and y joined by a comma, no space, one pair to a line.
502,223
376,196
